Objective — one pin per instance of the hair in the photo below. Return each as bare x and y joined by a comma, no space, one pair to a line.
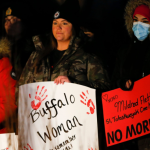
49,47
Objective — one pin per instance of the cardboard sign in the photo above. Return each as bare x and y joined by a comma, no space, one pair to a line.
127,113
8,141
57,117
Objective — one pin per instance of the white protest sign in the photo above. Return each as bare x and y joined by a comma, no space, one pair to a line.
57,117
8,141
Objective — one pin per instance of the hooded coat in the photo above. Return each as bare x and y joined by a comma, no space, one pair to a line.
133,62
133,59
7,84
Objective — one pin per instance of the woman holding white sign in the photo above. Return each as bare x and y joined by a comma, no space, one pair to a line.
64,60
133,61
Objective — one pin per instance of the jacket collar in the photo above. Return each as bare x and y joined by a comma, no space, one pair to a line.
74,44
5,48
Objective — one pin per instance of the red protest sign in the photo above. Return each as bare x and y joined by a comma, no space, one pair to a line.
126,113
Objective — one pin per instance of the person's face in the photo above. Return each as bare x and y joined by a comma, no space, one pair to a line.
140,18
13,26
62,29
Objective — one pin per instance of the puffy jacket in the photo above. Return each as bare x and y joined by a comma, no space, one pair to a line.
7,85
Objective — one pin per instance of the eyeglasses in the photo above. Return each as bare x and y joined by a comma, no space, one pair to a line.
12,19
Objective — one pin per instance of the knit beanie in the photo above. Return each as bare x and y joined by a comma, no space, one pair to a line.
20,10
142,10
69,10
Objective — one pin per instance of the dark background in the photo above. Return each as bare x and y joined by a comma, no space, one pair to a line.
105,18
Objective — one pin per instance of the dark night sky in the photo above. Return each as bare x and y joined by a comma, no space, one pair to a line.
99,10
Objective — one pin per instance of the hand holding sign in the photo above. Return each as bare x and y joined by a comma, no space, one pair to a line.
128,84
39,98
61,80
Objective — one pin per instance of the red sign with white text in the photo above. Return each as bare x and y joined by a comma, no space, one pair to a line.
127,113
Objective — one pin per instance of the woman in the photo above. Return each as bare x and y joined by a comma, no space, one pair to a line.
133,61
64,60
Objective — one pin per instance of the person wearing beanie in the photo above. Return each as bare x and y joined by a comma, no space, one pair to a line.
133,61
63,59
15,49
13,25
16,31
17,19
64,55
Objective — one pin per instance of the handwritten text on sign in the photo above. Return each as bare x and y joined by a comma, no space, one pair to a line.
126,113
57,117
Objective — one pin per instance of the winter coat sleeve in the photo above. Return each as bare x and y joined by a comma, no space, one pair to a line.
116,73
7,90
96,75
120,75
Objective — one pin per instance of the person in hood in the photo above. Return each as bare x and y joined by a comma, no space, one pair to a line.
14,52
133,61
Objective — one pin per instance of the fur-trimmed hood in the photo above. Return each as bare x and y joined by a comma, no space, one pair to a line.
5,48
129,10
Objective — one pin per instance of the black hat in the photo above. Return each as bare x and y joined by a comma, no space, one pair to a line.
69,10
19,9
